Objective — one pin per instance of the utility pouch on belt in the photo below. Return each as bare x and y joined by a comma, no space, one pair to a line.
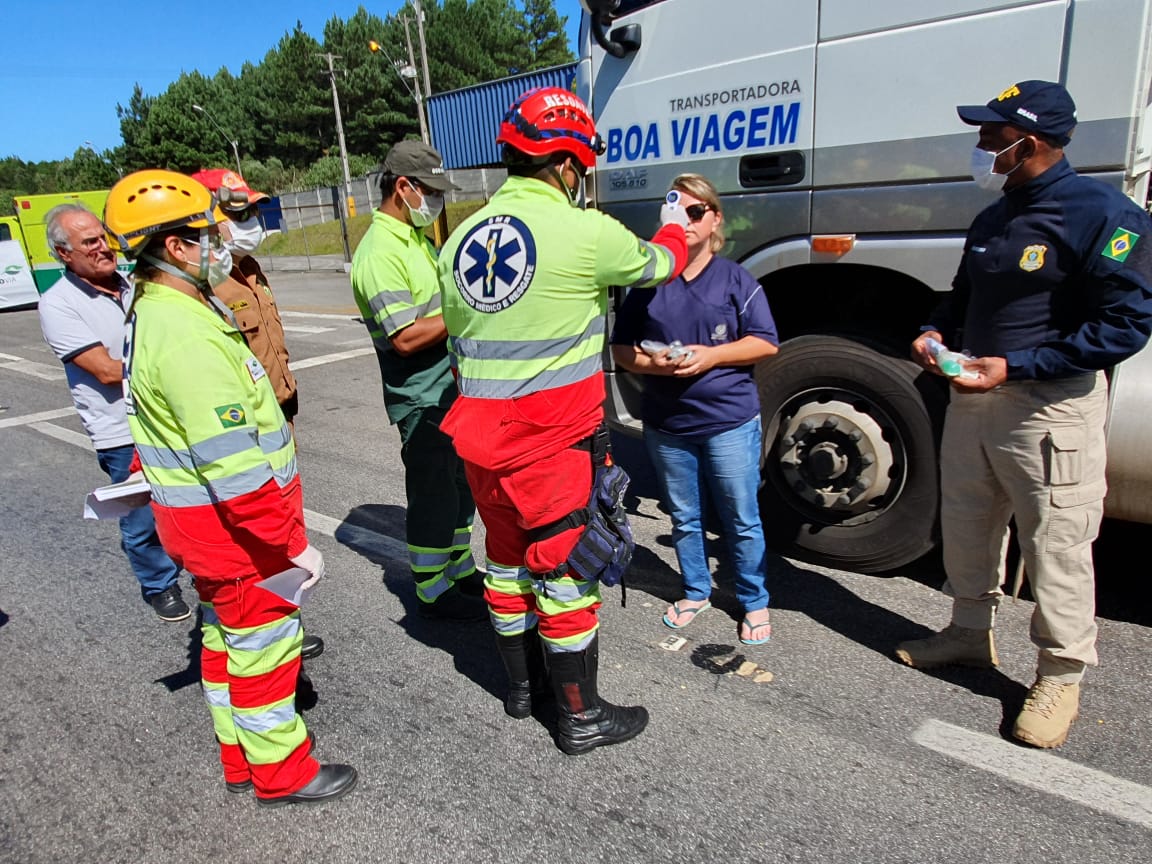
605,548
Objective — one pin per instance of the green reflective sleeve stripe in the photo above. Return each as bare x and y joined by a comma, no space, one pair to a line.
660,262
622,258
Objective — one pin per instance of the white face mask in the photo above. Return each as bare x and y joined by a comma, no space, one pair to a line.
983,164
219,268
431,205
246,236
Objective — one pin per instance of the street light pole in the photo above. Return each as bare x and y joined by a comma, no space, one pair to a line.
232,141
405,72
419,96
339,127
423,47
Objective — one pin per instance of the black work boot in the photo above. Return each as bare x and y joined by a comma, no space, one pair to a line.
311,647
527,677
586,721
331,781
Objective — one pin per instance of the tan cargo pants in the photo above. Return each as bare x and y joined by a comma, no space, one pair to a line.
1034,450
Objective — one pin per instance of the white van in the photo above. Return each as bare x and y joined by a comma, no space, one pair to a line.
829,128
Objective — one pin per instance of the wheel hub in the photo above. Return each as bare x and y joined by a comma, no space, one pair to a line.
834,454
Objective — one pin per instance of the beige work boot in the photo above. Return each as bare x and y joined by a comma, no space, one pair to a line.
1048,713
954,645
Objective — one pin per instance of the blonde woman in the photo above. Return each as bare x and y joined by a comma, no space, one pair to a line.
701,409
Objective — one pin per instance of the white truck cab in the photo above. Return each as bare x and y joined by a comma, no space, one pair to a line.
829,128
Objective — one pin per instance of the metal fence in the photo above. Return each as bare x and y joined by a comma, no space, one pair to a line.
302,217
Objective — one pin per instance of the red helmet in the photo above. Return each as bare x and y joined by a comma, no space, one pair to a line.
551,120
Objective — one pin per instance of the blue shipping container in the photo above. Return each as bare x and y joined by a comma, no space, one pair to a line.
464,122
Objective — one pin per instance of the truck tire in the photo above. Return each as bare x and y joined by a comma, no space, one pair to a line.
850,476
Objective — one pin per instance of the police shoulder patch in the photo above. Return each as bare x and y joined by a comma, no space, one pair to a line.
494,263
230,416
1123,241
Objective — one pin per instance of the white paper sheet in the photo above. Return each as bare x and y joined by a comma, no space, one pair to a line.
118,499
288,585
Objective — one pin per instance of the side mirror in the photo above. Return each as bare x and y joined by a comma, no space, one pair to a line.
623,40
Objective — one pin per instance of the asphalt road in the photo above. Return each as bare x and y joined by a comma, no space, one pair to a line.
839,755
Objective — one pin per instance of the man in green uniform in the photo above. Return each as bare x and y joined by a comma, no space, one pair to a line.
397,289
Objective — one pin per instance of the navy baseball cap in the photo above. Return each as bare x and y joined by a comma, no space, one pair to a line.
1041,107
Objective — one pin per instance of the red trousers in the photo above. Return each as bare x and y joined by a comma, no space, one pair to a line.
249,664
515,501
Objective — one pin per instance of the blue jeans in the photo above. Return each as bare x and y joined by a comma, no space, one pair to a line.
729,463
151,564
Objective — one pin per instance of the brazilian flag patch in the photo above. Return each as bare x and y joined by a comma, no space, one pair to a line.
230,415
1120,245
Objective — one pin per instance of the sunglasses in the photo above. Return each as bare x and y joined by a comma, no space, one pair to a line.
696,211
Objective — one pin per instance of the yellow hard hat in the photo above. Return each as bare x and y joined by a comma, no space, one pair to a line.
151,201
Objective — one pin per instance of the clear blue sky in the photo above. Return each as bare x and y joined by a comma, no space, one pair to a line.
67,63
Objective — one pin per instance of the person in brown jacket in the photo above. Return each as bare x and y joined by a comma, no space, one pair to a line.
249,297
247,293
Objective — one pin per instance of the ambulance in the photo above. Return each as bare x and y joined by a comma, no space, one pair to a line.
17,287
829,128
28,228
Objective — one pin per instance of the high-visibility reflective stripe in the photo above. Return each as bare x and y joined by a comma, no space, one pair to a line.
220,447
217,698
505,573
513,625
209,618
462,538
270,442
265,720
264,637
222,489
526,349
423,559
569,643
461,567
215,449
379,302
657,263
565,590
164,457
430,589
285,474
490,388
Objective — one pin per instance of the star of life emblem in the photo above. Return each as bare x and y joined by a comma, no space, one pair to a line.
495,263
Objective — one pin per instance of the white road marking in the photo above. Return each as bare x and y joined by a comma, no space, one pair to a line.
362,539
306,328
62,434
1040,770
26,419
289,313
353,535
329,358
28,367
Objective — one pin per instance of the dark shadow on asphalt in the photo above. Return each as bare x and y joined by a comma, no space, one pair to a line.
306,695
4,619
189,675
470,644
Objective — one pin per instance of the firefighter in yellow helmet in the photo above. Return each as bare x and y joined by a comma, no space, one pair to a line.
221,464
